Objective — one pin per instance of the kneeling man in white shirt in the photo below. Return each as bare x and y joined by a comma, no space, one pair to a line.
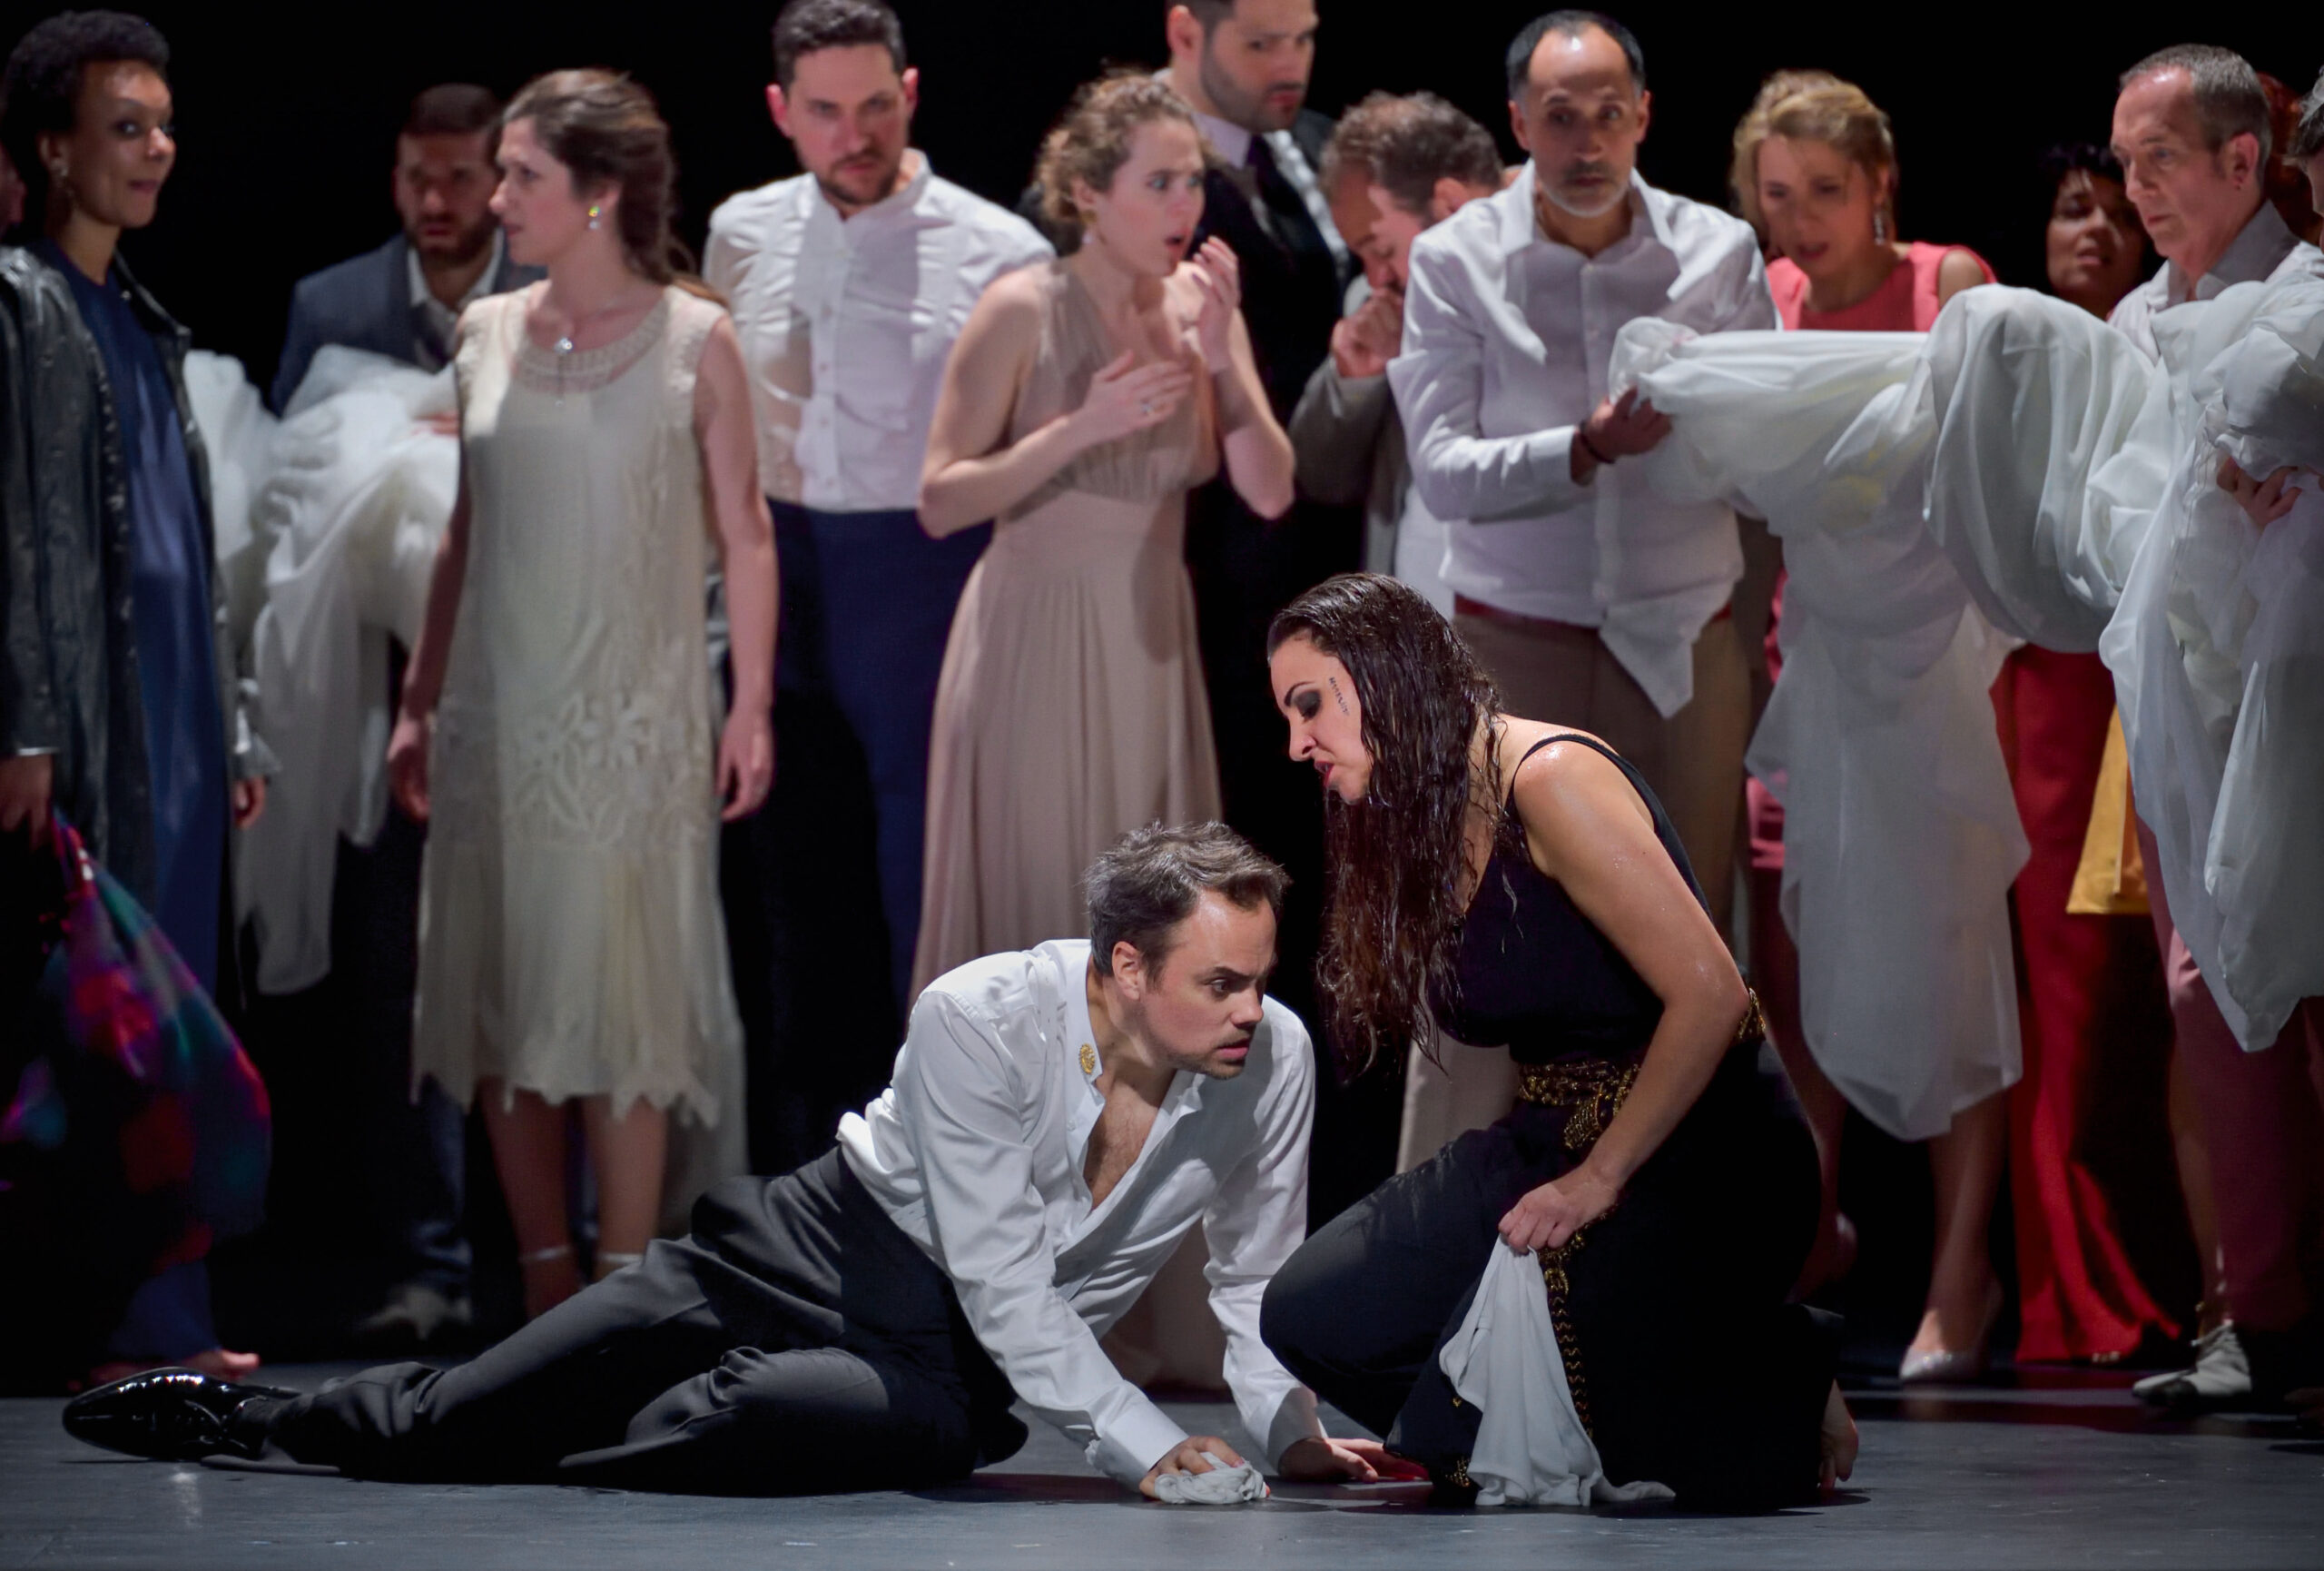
1059,1120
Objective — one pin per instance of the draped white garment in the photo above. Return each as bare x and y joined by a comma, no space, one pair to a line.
347,516
1901,835
2071,486
1531,1447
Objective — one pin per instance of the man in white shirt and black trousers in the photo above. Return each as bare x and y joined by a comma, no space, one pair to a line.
1059,1119
848,285
1591,601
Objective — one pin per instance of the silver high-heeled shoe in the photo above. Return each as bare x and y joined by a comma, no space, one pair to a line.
1948,1366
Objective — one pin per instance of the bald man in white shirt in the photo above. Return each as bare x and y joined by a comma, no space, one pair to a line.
1059,1120
1591,601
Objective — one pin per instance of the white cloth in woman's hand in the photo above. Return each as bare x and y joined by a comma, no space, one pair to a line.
1531,1447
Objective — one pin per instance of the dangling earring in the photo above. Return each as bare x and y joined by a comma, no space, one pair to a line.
593,216
1879,226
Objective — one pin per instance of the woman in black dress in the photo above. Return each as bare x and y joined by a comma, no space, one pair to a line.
1518,882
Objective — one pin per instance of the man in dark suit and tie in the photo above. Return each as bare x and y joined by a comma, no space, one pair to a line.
1242,66
402,300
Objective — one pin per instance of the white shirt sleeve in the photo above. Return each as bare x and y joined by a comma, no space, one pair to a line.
1755,303
956,1094
1439,383
1258,1218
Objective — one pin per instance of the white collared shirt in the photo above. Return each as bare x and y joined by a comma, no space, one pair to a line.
1508,336
845,324
976,1151
443,318
2264,248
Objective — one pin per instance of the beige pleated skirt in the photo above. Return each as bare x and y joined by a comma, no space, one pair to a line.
1071,710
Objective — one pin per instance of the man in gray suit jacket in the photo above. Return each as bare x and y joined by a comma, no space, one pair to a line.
402,299
1393,167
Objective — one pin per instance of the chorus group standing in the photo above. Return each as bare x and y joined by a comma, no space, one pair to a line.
1034,513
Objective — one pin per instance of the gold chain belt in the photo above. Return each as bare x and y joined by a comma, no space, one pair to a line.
1595,1089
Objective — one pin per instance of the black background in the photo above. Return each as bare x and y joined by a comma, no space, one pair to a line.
287,112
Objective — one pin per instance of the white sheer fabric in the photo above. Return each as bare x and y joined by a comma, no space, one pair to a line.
2217,653
347,517
1531,1447
1901,835
2072,486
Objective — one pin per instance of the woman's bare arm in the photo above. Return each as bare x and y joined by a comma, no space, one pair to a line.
1259,460
423,677
724,425
1587,828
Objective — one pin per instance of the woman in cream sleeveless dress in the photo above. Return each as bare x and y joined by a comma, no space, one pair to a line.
561,701
1086,398
570,939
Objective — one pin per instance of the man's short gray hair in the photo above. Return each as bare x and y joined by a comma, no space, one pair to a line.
1151,879
2228,100
2308,136
1406,143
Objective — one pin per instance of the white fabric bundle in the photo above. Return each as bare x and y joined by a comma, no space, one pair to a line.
2217,653
1531,1447
1901,833
351,512
238,440
2072,486
1222,1485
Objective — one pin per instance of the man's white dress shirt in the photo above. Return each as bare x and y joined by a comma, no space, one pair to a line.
976,1151
846,322
1507,339
2265,249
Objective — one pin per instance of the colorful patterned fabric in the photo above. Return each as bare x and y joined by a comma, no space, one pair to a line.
137,1103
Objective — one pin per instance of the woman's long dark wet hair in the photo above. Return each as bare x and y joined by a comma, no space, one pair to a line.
1393,899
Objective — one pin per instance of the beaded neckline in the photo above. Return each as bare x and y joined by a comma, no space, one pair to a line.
559,371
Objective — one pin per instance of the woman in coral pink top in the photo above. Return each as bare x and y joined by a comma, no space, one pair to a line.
1815,171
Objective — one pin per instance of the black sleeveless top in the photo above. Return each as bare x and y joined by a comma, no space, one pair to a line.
1535,972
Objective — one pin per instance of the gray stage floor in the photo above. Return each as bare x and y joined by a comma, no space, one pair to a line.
2066,1473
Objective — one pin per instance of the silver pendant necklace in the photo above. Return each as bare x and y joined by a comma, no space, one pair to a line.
563,347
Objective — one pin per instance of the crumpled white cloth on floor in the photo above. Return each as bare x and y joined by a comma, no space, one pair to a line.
1222,1485
350,514
1531,1447
1901,830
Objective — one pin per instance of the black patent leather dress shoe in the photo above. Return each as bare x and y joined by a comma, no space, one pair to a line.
171,1415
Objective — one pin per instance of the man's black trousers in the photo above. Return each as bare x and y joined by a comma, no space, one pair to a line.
796,1341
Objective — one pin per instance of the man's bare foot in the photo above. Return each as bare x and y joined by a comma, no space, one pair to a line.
1838,1441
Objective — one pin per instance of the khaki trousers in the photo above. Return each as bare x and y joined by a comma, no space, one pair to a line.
1565,676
